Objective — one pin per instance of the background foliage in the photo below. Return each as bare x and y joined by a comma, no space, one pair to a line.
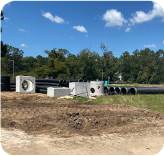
144,66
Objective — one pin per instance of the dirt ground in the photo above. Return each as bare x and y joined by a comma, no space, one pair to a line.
37,124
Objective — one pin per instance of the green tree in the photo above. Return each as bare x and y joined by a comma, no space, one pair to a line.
108,64
41,61
147,66
12,54
28,63
57,63
3,48
159,66
88,64
42,72
126,67
73,67
144,66
41,69
59,54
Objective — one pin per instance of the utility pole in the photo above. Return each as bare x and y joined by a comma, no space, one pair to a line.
108,79
13,68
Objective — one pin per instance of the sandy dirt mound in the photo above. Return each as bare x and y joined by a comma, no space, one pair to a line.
37,114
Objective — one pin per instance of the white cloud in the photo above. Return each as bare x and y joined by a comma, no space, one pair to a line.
150,46
128,29
113,18
6,4
23,45
55,18
163,41
80,28
140,16
21,30
6,18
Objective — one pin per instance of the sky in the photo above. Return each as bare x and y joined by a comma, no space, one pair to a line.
36,26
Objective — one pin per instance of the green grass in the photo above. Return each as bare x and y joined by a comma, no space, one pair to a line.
81,99
153,102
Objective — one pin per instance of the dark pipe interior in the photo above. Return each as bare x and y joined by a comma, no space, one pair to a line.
118,89
111,89
106,89
132,91
123,90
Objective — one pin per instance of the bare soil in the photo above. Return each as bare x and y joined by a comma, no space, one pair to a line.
31,122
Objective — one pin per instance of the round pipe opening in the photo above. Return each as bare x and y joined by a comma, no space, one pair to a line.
133,91
105,89
124,90
112,89
118,90
61,81
27,85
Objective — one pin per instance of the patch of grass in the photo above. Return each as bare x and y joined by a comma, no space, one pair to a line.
153,102
81,99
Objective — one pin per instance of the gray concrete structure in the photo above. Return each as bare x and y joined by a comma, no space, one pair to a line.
57,92
81,89
25,84
96,88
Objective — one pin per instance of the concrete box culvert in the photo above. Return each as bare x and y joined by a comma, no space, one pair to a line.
25,84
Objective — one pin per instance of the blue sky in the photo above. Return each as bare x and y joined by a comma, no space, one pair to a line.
35,26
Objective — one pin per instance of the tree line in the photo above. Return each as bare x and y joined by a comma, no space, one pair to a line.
144,66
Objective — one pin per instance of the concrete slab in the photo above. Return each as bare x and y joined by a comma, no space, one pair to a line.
57,92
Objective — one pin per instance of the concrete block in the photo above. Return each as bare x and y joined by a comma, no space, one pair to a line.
25,84
57,92
81,89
